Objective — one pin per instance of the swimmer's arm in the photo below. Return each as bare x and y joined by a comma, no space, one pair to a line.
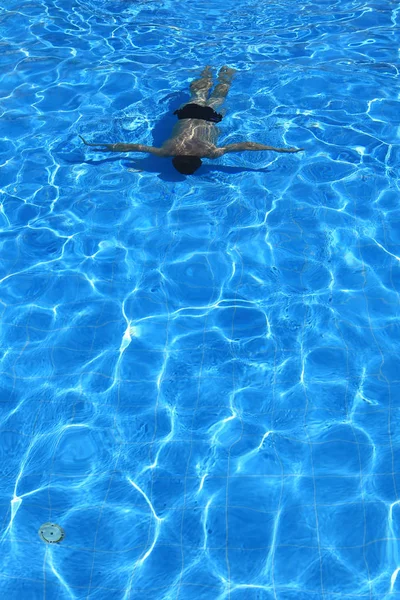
126,147
253,146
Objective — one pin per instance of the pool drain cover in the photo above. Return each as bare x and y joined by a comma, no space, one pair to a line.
51,533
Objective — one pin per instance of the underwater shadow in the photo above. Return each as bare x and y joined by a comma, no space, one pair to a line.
164,169
165,124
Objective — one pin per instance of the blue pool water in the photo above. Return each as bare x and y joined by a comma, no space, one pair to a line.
200,375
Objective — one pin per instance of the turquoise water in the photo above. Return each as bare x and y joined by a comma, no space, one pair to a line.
200,375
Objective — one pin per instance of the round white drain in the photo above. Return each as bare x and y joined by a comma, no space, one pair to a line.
51,533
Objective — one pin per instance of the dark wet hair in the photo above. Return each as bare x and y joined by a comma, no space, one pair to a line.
186,164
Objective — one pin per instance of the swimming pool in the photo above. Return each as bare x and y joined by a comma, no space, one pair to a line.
200,375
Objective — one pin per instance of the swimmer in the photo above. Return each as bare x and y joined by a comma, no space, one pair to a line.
195,135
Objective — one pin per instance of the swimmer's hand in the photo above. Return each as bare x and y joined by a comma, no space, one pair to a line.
88,144
287,149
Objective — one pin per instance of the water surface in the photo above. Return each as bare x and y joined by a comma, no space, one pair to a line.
200,375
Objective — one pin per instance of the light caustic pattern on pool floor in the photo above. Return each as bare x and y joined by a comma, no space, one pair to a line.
200,376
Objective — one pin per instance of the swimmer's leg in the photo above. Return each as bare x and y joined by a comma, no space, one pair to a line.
221,90
199,88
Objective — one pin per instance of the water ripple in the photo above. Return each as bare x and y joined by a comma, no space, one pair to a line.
199,376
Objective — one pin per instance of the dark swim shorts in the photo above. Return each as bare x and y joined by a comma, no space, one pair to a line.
195,111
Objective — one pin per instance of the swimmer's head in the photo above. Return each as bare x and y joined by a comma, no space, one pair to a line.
186,165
